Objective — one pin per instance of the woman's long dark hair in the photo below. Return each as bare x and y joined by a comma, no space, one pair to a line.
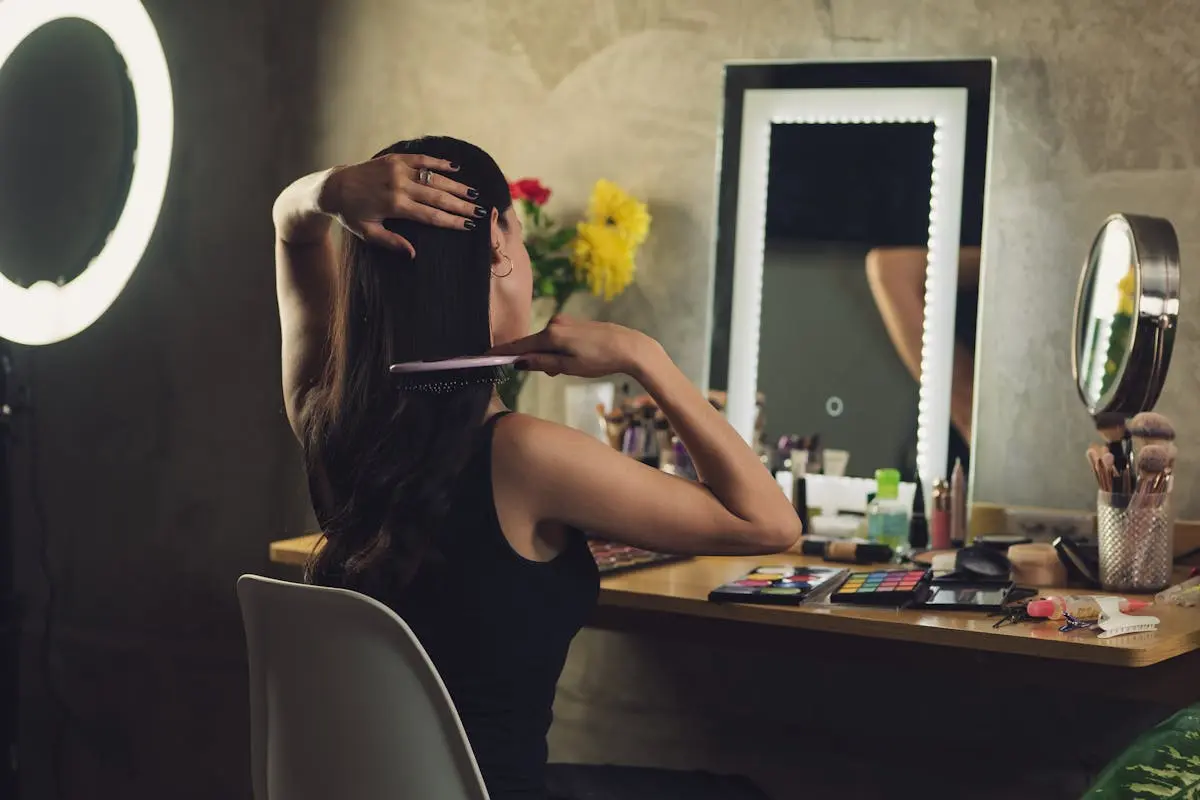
381,462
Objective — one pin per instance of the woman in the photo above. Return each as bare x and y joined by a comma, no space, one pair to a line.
465,518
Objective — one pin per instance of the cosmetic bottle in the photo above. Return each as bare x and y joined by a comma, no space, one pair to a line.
662,434
887,516
847,551
816,461
684,467
958,505
800,489
1181,594
940,529
650,454
918,524
631,445
1078,606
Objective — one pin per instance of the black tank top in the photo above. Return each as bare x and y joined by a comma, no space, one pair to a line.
497,627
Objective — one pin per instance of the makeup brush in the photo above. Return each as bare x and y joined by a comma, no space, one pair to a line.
1111,426
1109,470
1172,454
615,423
450,374
602,416
1094,454
1153,461
1150,428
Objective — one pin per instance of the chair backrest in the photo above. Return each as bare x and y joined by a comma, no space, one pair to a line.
344,702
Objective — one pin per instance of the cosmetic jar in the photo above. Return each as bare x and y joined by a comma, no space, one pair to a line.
1037,565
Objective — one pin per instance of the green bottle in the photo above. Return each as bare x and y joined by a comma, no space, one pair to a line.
887,516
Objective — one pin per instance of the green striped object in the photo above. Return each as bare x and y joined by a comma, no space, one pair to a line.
1162,764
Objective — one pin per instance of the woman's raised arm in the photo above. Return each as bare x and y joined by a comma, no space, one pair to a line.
360,197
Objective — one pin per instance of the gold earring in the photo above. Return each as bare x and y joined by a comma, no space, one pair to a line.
504,256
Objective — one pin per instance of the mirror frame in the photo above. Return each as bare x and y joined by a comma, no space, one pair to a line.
1155,248
761,94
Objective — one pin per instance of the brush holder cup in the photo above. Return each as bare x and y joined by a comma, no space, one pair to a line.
1136,536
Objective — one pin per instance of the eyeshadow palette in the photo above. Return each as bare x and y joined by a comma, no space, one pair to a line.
883,587
780,585
612,557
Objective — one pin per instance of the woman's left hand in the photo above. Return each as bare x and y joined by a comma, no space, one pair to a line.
361,196
583,348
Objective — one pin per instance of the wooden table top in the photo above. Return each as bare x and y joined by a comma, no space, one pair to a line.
683,587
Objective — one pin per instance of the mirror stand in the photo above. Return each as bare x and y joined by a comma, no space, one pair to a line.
1126,312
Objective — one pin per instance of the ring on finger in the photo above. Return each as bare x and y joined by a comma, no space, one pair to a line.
425,176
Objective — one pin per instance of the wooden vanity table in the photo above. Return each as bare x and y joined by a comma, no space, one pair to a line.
671,601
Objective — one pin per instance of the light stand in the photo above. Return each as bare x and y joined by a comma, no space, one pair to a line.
10,623
48,312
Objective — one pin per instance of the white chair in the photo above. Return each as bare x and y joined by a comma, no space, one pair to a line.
344,702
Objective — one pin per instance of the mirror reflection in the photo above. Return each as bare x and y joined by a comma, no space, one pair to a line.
66,150
843,303
1107,314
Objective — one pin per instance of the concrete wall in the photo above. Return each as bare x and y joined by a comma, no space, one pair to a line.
1094,114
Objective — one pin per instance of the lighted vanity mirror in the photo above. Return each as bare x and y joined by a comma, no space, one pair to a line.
1126,312
848,256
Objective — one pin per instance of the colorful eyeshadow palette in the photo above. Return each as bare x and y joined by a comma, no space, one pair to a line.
612,557
780,585
883,587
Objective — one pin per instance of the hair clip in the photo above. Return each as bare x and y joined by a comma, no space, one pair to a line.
1114,623
1074,624
1012,614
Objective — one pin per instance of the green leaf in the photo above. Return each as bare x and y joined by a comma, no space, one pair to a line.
560,239
545,287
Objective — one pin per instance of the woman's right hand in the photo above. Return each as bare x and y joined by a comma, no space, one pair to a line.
361,196
583,348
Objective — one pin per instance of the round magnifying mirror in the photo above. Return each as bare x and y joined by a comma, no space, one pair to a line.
1125,315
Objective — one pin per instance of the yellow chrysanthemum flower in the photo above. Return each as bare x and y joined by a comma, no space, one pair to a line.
603,257
1126,288
610,205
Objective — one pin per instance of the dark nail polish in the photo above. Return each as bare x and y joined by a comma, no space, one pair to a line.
469,224
480,212
453,165
472,194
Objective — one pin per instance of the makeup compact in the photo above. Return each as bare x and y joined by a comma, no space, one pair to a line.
1000,542
780,585
883,587
955,596
979,564
1081,562
612,557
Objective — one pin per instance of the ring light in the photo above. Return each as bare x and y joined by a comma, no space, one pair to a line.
46,313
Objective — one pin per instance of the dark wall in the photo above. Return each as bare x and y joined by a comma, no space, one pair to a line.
157,464
866,184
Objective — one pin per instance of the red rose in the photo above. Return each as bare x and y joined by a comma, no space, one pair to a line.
530,189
